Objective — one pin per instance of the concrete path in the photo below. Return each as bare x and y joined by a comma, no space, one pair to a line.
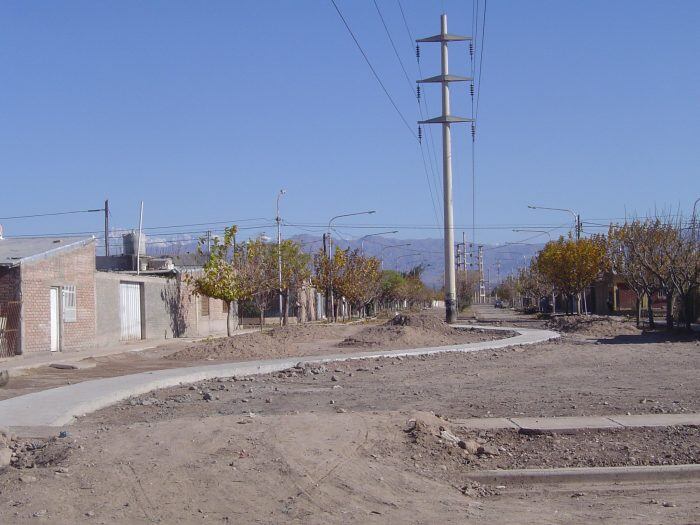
59,406
572,424
615,475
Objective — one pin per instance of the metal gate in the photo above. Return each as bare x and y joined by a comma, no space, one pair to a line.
130,311
9,328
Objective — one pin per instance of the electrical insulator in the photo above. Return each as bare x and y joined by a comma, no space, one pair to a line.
418,53
420,135
471,89
471,49
418,92
473,131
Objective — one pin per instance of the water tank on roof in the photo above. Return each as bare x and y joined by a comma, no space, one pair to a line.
131,241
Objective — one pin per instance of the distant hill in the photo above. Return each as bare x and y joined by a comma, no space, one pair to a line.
428,252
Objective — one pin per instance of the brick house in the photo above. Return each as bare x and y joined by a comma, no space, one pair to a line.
52,298
47,294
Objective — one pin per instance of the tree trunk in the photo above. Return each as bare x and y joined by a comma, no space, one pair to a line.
262,319
285,307
303,299
638,309
669,310
688,310
650,312
232,323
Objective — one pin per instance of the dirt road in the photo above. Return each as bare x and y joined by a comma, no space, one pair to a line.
336,444
304,340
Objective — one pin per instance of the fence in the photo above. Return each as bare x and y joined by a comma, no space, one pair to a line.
9,328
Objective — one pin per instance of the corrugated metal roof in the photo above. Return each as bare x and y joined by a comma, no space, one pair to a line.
14,250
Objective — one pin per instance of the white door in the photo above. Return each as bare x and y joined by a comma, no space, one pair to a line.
130,311
55,321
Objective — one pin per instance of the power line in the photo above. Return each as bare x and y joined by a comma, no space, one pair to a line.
374,72
432,159
481,59
410,87
53,214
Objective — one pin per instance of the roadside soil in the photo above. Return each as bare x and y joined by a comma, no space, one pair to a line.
360,442
441,441
423,329
312,467
413,330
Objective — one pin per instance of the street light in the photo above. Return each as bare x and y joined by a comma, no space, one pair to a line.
401,257
381,252
362,239
330,248
577,229
577,217
330,242
278,219
549,236
695,218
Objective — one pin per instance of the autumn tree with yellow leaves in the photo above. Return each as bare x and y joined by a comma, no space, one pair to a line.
223,276
571,265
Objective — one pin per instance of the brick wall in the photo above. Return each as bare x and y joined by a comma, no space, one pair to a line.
70,267
9,284
196,323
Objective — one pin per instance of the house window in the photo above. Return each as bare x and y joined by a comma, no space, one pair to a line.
204,306
70,309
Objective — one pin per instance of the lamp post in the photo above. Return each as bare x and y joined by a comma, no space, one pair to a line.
695,219
330,250
362,239
577,230
577,217
278,219
381,252
401,257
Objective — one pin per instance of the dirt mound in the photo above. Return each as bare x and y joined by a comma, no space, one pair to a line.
410,331
593,325
424,321
280,341
403,331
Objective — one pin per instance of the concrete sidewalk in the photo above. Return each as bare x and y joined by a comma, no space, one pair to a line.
574,423
59,406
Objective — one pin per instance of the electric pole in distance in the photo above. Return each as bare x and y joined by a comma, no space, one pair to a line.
106,210
446,119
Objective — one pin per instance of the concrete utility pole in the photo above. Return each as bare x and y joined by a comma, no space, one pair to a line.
446,119
138,245
464,252
482,284
107,227
278,219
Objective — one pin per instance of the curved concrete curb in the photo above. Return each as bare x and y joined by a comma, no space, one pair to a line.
586,474
59,406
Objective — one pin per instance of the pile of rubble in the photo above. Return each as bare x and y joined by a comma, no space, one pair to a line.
27,454
593,325
429,431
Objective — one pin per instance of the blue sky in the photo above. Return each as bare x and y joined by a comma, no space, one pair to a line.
205,109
